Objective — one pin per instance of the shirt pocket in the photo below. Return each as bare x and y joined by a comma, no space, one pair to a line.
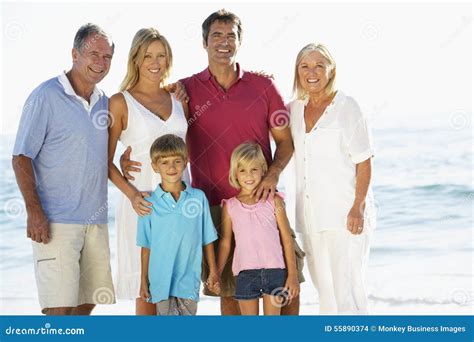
327,142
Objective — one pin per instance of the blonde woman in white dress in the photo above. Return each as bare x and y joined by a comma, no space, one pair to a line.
141,112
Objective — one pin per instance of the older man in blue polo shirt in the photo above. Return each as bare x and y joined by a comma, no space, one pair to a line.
60,163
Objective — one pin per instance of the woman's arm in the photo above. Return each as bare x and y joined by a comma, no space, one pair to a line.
225,240
118,114
292,285
355,218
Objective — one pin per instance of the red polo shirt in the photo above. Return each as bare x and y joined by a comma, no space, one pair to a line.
220,120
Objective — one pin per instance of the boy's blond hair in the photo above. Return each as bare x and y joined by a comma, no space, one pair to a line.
168,145
243,155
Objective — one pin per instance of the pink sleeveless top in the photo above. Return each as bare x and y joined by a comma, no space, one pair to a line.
257,238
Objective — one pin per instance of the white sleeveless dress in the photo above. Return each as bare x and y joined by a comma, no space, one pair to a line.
142,129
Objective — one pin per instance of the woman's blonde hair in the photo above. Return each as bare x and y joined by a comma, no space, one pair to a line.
298,90
244,154
143,38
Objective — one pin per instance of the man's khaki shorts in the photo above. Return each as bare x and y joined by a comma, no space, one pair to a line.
73,268
227,278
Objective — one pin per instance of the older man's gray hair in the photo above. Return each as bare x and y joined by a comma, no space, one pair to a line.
90,29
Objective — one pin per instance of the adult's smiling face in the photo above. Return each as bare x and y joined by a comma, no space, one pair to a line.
222,43
92,61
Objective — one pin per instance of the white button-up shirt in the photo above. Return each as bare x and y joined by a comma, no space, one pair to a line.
325,160
69,90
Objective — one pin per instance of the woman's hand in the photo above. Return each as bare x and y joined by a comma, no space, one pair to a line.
140,204
292,287
355,218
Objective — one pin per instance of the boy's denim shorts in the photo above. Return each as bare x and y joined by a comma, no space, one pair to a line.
252,284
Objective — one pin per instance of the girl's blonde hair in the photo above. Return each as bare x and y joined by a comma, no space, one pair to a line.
143,38
244,154
298,90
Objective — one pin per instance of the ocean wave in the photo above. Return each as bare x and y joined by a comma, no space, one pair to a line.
399,301
455,190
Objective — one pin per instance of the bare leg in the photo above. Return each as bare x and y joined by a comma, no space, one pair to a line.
229,307
249,307
83,310
65,311
292,309
271,305
143,308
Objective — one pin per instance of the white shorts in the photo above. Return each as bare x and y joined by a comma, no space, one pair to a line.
73,268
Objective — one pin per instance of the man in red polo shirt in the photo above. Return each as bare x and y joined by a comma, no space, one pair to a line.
228,106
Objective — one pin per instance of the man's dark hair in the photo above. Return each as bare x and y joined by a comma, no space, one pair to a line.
226,17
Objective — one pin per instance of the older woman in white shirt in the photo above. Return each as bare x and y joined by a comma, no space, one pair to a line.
334,202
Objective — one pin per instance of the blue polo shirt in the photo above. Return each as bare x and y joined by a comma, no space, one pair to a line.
67,142
175,232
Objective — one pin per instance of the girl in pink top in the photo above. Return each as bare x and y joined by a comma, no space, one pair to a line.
264,258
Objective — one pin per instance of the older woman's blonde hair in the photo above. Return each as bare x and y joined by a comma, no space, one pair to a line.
298,90
243,155
143,38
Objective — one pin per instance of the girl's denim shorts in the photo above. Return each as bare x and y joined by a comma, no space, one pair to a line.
252,284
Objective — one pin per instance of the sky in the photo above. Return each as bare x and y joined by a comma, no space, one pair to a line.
407,64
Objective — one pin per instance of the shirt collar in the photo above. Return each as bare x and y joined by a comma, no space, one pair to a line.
69,90
159,192
336,98
206,75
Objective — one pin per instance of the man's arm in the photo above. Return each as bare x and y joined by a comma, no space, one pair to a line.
37,224
283,153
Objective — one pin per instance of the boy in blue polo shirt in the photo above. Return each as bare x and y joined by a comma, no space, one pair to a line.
172,237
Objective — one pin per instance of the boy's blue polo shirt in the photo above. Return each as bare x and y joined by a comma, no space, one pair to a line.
175,233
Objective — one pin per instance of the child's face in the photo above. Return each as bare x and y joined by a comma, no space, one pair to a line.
170,168
249,175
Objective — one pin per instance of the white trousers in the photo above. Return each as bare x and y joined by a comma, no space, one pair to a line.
337,260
